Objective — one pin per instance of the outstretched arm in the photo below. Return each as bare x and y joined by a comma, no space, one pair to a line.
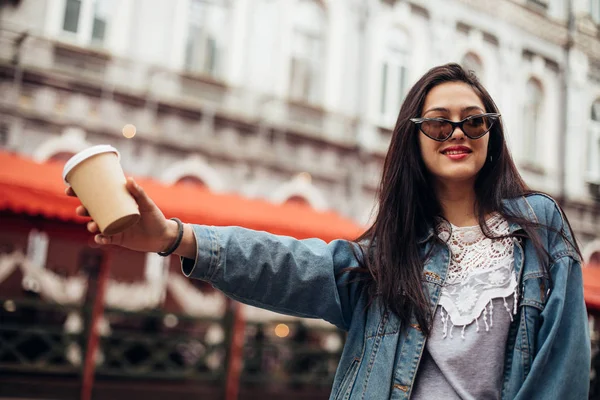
299,277
305,278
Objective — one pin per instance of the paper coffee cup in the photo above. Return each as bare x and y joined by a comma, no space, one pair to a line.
96,176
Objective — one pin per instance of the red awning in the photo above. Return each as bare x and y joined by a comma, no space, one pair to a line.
591,286
37,189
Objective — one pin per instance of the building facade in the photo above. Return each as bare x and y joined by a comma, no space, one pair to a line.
289,100
296,99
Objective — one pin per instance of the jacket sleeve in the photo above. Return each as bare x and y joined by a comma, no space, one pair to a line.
304,278
561,365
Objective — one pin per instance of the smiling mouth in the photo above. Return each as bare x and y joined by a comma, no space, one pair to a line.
456,151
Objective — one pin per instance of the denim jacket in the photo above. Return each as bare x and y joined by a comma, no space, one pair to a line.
548,350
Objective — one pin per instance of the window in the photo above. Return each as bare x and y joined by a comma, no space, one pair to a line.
61,156
206,37
472,62
538,4
594,260
532,118
595,10
72,12
4,134
394,80
593,161
192,181
307,51
297,200
87,20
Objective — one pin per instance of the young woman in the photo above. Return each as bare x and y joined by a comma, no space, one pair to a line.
467,285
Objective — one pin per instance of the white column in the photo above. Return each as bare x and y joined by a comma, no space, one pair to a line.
283,50
37,248
86,19
54,17
239,16
549,140
331,77
120,27
442,28
375,24
581,96
375,32
156,272
177,58
509,73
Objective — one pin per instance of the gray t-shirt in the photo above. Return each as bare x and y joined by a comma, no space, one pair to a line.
464,354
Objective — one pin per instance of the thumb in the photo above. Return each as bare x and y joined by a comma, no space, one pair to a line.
144,202
109,239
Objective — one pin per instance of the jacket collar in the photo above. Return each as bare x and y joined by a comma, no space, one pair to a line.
518,206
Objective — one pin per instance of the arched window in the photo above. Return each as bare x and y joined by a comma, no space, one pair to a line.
394,75
206,36
308,49
297,199
594,260
534,97
472,62
300,190
593,161
61,156
189,180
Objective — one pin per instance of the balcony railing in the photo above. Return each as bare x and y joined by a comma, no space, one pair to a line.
41,339
33,339
109,73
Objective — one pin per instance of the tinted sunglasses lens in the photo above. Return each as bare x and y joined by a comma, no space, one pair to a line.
437,130
478,126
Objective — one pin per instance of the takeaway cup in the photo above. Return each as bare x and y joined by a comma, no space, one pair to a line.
96,176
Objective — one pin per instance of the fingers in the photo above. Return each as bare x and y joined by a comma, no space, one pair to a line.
101,239
82,212
140,196
92,227
117,239
70,192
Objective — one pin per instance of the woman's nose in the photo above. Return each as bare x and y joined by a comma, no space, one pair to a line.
457,134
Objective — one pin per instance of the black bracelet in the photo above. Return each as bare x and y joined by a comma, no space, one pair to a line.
177,241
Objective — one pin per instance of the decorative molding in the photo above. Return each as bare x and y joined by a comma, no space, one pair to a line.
72,140
301,186
194,166
590,249
71,290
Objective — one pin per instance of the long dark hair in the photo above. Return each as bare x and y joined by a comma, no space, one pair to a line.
408,206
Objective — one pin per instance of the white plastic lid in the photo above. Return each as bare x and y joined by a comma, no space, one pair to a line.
85,154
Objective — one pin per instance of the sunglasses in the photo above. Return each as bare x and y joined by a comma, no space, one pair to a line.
441,129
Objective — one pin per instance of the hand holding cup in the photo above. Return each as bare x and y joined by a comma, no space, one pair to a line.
122,214
152,233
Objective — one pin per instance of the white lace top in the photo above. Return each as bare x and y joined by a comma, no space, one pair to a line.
481,269
478,297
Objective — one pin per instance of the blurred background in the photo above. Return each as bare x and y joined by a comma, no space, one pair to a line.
269,114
